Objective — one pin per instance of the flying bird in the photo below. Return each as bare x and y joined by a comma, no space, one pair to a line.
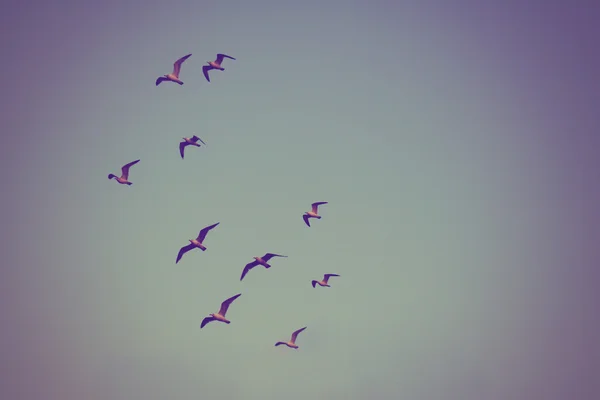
124,174
313,213
324,281
220,316
174,76
292,342
198,242
214,65
259,261
193,141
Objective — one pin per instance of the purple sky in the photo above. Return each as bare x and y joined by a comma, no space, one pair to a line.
468,131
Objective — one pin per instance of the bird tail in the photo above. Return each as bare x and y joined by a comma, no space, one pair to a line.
110,176
129,183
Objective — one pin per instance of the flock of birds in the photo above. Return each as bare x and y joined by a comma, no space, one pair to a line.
198,242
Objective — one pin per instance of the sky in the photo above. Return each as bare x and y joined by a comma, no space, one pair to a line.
455,142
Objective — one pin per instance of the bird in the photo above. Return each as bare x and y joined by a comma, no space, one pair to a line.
324,281
313,213
214,65
193,141
292,342
124,174
259,261
174,76
220,316
198,242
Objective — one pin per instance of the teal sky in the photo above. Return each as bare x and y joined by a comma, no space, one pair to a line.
453,176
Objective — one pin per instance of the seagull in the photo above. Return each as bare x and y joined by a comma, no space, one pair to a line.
174,76
259,261
189,141
198,242
324,281
313,212
215,65
220,316
292,342
124,174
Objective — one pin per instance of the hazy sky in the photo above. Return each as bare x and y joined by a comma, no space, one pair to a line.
456,144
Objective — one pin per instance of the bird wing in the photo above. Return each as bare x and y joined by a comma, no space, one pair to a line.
220,57
327,276
226,303
204,231
160,79
295,334
177,65
248,267
184,250
315,206
313,283
280,343
205,70
182,147
206,321
268,256
305,217
125,169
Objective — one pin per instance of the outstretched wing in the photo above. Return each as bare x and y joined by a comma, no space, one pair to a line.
125,169
327,276
225,305
315,206
295,334
314,283
220,57
160,79
206,321
305,218
204,231
247,268
184,250
195,139
182,147
268,256
279,343
205,70
177,65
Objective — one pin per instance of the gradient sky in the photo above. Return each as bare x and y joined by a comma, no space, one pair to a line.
456,144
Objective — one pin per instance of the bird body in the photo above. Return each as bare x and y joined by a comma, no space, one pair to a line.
173,76
292,343
220,316
123,179
324,281
264,261
214,65
195,243
313,213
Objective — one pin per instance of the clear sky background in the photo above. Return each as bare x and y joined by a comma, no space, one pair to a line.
456,144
